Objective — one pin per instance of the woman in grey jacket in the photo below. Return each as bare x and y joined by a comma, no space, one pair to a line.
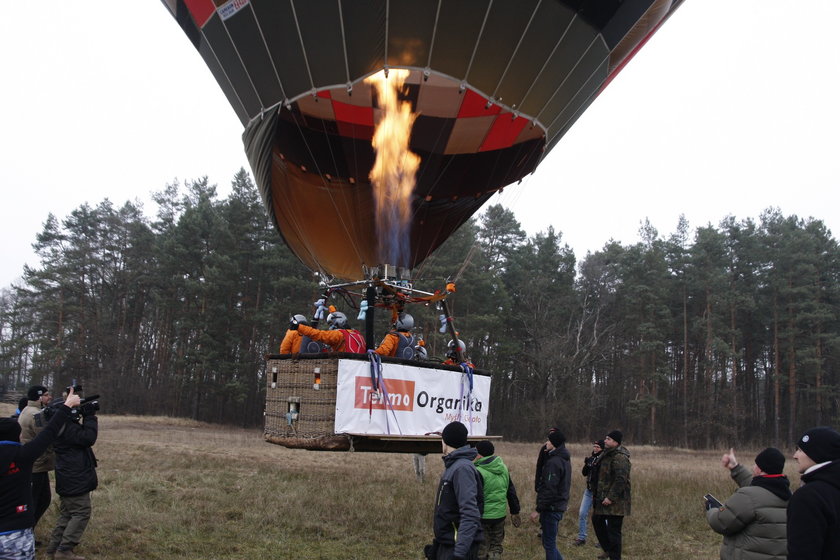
753,520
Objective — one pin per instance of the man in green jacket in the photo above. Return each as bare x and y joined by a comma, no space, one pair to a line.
753,521
611,498
499,493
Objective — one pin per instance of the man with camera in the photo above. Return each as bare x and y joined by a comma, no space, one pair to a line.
75,478
16,459
32,422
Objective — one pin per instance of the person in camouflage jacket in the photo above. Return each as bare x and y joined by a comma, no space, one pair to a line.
611,497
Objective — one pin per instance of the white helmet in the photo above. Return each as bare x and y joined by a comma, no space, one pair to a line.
461,346
420,352
337,320
405,322
301,319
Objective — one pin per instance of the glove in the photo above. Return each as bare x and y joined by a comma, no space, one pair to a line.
516,520
293,324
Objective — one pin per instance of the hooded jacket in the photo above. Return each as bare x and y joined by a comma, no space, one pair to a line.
75,463
555,481
16,462
459,503
499,490
813,514
613,482
753,519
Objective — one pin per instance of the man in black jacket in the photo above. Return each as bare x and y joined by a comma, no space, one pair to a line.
17,516
813,514
460,500
75,478
553,492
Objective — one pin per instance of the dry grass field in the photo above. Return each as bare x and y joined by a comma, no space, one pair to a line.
175,489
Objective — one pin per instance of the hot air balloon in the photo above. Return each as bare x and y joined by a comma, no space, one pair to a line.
483,89
494,86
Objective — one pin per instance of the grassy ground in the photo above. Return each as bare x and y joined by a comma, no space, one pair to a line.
177,489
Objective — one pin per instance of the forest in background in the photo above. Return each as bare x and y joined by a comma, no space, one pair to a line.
724,333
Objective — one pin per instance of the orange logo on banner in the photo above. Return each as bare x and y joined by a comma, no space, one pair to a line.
400,394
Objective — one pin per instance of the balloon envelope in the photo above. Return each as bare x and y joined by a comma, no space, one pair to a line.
495,86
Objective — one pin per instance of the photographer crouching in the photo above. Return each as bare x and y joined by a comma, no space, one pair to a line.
75,477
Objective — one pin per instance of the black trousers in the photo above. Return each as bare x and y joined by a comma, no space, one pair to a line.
447,551
608,530
41,495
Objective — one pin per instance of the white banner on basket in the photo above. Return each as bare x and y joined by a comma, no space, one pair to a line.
415,400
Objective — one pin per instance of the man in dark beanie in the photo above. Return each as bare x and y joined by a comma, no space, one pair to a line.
813,515
752,521
611,497
31,424
460,500
553,491
17,518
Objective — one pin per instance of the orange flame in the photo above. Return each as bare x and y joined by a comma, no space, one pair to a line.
393,174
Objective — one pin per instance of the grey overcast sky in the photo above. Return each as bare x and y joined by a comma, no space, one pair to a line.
729,109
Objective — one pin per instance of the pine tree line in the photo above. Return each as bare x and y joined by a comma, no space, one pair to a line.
727,335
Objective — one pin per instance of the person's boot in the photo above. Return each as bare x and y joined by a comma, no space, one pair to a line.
67,555
578,542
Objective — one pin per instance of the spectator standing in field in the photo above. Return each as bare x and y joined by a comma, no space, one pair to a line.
590,473
75,479
813,515
459,501
553,492
17,519
611,498
499,493
753,520
32,422
21,405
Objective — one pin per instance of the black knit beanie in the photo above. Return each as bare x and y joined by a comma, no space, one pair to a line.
616,435
36,391
9,429
455,435
556,438
821,444
485,448
771,461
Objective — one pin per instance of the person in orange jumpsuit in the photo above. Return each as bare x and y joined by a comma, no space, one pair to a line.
452,355
399,343
339,338
294,340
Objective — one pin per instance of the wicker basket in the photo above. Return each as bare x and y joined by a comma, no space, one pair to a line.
300,406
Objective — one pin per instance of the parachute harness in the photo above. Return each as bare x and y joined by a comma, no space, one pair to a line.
379,387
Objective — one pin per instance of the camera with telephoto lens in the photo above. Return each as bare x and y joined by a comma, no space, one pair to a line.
88,407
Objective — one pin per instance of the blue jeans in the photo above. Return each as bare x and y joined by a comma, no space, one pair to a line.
583,514
549,520
17,545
